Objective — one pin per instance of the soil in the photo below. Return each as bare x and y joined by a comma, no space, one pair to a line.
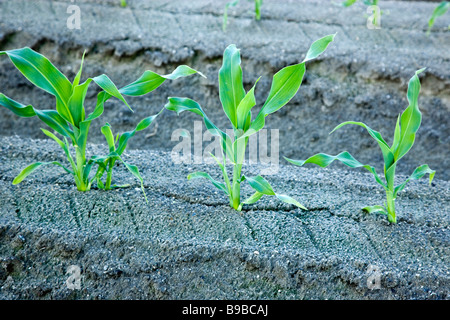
187,243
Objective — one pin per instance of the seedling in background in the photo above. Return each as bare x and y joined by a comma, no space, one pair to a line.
237,105
234,3
374,20
405,131
69,119
440,10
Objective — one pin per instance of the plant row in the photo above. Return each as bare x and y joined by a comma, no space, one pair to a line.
70,122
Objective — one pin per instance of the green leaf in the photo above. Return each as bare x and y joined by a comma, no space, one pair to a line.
135,172
109,87
31,168
285,85
348,3
182,71
63,145
252,199
410,118
56,122
318,47
217,184
440,10
261,185
41,72
375,209
387,153
231,87
417,174
124,137
290,200
51,135
287,82
76,80
102,97
106,130
16,107
225,13
323,160
244,108
150,80
76,102
396,140
180,105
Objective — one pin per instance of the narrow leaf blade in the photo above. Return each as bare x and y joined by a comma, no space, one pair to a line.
323,160
261,185
33,167
231,87
217,184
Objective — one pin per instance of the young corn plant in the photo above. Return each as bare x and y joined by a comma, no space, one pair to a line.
117,146
70,120
404,135
234,3
440,10
237,105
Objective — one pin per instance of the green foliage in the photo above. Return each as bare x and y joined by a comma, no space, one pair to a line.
258,4
348,3
237,105
117,146
440,10
70,119
404,135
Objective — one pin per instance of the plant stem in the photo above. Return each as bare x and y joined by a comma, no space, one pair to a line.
81,162
239,155
235,199
258,10
390,200
109,174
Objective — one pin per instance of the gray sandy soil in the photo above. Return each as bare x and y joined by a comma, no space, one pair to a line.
187,243
363,75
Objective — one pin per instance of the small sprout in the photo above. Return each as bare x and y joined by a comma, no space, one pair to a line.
116,148
123,3
237,105
69,120
440,10
404,135
234,3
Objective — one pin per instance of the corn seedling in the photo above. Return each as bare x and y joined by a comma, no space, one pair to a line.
234,3
404,135
440,10
69,119
117,146
237,105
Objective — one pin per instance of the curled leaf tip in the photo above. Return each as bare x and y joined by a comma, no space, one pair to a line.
421,70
